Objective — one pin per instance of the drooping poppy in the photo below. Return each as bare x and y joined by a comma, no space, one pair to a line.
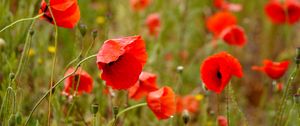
219,21
279,12
65,12
121,61
274,70
222,121
217,70
153,24
234,35
162,102
189,103
225,5
145,84
138,5
81,79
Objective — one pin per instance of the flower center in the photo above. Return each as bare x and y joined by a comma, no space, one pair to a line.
219,75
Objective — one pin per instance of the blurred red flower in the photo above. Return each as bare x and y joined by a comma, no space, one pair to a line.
274,70
219,21
222,121
153,24
281,12
189,103
234,35
217,70
138,5
121,61
224,5
145,84
279,86
80,77
65,12
162,102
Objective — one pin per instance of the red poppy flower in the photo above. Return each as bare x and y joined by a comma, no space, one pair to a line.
217,70
222,121
274,70
80,77
145,84
121,61
219,21
138,5
279,86
224,5
282,12
189,103
153,24
65,12
162,102
234,35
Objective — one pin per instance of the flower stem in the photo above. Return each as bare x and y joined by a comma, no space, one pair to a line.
53,63
20,20
227,105
55,85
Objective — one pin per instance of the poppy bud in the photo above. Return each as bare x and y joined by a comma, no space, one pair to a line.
180,69
115,111
11,76
297,98
297,59
31,32
94,33
2,43
95,108
82,28
185,117
18,118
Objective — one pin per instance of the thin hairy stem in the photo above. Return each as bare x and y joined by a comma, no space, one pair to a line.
55,85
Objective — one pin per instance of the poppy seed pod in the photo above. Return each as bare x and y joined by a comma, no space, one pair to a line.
31,32
115,111
185,117
11,76
94,33
297,59
82,28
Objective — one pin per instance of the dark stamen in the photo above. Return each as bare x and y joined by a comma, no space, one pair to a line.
219,75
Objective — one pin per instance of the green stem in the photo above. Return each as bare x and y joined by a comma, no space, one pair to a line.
53,63
234,101
227,105
280,112
55,85
20,20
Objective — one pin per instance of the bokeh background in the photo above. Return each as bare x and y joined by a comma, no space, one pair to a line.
183,41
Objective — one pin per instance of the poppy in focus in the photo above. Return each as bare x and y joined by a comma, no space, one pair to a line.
219,21
234,35
274,70
162,102
145,84
121,61
189,103
153,24
138,5
65,12
279,12
81,79
224,5
217,70
222,121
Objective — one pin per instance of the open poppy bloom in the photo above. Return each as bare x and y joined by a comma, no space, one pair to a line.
217,70
281,12
145,84
121,61
162,102
274,70
153,24
220,21
138,5
234,35
224,5
189,103
65,12
222,121
81,79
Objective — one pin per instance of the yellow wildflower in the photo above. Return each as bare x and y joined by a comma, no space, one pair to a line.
199,97
100,19
51,49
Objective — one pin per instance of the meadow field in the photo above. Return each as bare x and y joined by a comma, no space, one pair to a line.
149,62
